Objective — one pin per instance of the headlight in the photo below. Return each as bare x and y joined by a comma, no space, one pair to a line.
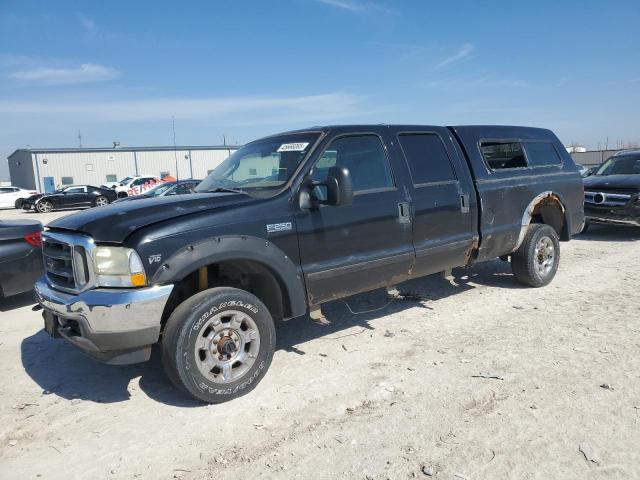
118,267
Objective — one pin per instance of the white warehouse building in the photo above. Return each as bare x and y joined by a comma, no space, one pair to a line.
47,169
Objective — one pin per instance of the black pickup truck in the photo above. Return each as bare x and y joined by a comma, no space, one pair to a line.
292,221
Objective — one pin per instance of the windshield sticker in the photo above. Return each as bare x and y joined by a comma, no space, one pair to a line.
293,147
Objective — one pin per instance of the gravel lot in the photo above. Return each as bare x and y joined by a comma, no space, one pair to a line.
395,393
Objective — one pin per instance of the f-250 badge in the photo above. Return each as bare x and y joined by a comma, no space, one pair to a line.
278,227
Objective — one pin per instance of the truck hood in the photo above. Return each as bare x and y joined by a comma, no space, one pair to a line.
115,222
609,182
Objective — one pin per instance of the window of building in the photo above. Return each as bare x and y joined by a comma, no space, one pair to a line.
500,155
427,158
365,158
541,153
67,180
112,177
254,171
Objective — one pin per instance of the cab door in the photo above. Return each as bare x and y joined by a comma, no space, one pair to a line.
442,198
358,247
74,197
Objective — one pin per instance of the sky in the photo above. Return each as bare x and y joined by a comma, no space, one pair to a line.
235,71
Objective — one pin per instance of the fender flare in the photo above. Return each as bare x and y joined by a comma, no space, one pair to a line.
528,213
238,247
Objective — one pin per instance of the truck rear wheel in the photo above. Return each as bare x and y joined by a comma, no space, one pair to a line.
218,344
536,261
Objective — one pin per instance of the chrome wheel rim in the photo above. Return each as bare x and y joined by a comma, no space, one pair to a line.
545,256
101,201
45,207
227,346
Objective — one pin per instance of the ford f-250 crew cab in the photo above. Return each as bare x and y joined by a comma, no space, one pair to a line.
295,220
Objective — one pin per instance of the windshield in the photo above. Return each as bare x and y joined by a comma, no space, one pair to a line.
265,164
623,165
159,189
126,180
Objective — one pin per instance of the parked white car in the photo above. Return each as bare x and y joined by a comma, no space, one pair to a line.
133,185
10,195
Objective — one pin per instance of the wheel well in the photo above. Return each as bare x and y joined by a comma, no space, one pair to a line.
550,211
251,276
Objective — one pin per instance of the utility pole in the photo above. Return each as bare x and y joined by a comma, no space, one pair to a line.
79,139
175,152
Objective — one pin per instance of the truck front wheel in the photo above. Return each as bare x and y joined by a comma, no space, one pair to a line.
218,344
536,261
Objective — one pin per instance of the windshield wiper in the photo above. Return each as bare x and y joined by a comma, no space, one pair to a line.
227,189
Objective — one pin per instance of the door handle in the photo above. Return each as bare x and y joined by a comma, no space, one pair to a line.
404,214
464,203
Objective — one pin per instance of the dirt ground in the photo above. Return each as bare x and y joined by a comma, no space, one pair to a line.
399,392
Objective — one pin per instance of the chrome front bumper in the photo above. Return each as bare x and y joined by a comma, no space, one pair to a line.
112,325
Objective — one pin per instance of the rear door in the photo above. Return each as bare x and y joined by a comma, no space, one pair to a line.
17,193
6,197
442,199
358,247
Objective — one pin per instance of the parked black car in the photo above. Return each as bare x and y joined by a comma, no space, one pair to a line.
292,221
73,196
179,187
612,194
20,256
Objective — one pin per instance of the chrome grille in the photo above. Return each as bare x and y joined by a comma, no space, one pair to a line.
67,261
606,198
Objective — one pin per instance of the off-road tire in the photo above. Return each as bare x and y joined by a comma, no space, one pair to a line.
527,261
186,326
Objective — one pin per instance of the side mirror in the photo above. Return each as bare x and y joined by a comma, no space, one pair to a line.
339,186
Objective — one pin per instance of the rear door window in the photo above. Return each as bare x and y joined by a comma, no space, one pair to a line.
503,155
541,153
427,158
